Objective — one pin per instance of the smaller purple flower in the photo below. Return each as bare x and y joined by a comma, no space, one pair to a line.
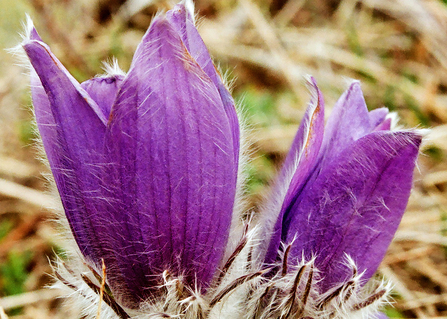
338,202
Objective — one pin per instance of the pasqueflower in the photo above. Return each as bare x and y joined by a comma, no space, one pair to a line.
149,170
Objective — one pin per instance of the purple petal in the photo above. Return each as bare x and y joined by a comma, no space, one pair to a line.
299,163
378,119
384,126
103,91
348,122
72,130
377,116
33,35
184,26
355,205
172,160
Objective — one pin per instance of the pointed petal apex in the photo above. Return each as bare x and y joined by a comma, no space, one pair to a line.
377,116
189,5
348,122
56,80
30,30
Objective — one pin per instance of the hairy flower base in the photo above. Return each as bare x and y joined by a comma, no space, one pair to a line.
282,292
296,295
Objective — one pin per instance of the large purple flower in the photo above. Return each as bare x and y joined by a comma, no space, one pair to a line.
146,165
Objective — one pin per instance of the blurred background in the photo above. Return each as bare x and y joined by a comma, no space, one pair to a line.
397,48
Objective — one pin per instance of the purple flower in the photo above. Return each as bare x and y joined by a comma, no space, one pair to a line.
147,168
146,163
339,199
347,186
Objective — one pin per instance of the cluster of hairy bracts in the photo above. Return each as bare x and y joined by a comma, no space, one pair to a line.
296,294
286,290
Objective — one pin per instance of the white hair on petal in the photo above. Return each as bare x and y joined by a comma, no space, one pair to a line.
17,51
349,81
394,117
112,68
424,132
240,201
189,5
29,26
239,215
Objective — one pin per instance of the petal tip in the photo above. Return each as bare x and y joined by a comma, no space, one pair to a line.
394,117
411,137
185,9
422,133
159,25
189,6
355,86
317,99
311,81
30,32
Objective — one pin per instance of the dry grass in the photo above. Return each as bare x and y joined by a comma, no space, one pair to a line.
397,48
